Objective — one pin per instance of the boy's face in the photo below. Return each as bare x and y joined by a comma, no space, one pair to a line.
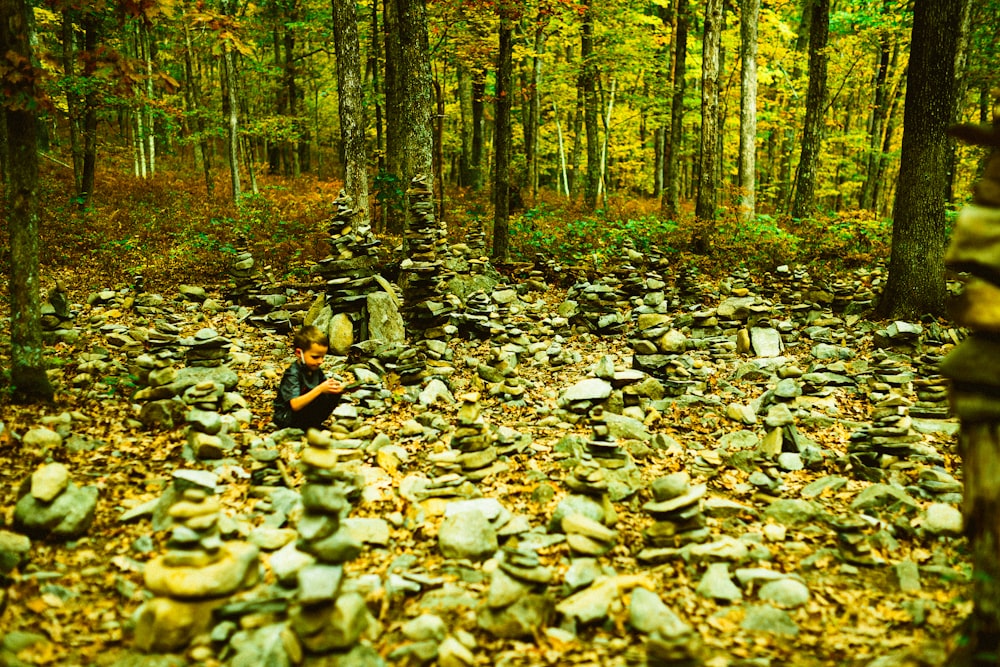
313,357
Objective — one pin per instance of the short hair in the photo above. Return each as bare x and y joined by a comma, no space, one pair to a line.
308,336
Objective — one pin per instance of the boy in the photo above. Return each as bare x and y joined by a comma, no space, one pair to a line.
305,396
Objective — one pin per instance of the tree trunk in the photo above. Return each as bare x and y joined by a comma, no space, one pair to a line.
588,84
708,186
533,111
72,100
465,125
961,88
670,203
501,141
877,121
351,103
785,179
478,95
576,121
146,49
192,97
232,121
90,38
804,204
29,382
417,138
916,283
749,12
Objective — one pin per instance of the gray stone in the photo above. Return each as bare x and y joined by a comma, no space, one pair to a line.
787,388
467,534
384,321
14,549
741,413
519,620
881,496
41,439
605,367
369,530
766,342
260,647
785,592
423,627
287,561
626,428
740,440
49,481
65,518
341,334
823,484
765,618
648,613
576,504
582,572
205,421
908,575
435,391
592,603
792,511
943,519
319,582
191,376
790,461
192,292
735,308
505,590
715,584
778,415
590,389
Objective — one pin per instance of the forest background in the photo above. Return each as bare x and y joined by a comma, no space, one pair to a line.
608,140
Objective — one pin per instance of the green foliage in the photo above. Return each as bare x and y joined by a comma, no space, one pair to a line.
388,190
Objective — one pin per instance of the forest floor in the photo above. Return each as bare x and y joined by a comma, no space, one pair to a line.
900,604
82,596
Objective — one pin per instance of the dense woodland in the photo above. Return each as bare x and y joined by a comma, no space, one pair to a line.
150,145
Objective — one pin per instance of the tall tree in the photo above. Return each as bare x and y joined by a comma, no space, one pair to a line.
351,102
916,283
804,202
411,75
21,100
749,12
670,204
501,138
588,86
708,185
879,112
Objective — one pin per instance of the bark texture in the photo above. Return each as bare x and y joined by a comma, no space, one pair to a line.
501,144
749,12
804,203
916,283
29,383
351,104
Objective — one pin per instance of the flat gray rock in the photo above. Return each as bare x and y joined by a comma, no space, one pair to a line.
785,593
49,481
590,389
715,584
765,618
648,613
467,534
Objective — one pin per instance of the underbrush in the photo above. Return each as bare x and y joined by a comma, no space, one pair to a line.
170,230
600,239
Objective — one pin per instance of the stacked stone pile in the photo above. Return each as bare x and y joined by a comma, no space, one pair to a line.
206,348
676,509
890,438
325,618
516,604
349,270
602,445
241,272
426,308
931,389
53,507
55,310
476,319
475,457
198,573
600,306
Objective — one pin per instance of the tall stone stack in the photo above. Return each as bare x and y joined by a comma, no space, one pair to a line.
974,368
477,456
241,272
602,445
676,511
197,574
601,306
426,310
349,270
325,619
206,348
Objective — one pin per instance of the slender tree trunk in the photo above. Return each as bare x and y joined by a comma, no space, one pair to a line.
788,145
916,283
880,197
275,148
192,97
478,95
533,111
29,382
501,141
961,88
749,12
588,84
670,204
804,204
351,103
72,100
439,148
465,125
877,121
232,122
149,121
576,121
708,186
602,182
90,39
564,180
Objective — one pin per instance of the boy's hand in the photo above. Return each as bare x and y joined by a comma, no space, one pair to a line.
331,386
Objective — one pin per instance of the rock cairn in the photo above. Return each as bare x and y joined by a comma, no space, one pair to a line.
677,512
426,309
206,348
602,445
241,272
349,270
478,457
198,573
516,604
600,306
325,618
54,507
891,438
55,310
476,321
